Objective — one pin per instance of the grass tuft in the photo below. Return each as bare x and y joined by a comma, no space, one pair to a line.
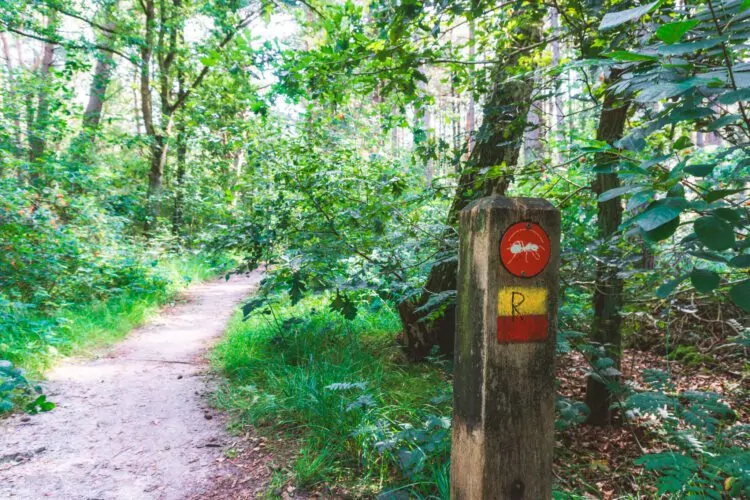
360,416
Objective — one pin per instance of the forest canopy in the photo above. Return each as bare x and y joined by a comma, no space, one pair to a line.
337,142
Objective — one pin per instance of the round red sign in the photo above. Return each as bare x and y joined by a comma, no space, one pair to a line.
524,249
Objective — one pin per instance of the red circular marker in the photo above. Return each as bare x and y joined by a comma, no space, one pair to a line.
524,249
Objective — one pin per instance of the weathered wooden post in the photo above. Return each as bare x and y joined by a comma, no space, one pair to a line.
506,320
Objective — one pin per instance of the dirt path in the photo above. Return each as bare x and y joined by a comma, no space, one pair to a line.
131,424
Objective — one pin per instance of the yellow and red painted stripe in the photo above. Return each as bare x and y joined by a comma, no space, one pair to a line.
522,314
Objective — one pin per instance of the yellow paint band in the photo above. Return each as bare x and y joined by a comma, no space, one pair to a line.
521,301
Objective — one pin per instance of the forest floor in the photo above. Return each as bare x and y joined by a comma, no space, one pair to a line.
133,422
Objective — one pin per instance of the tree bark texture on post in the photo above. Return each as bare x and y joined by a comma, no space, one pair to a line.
504,396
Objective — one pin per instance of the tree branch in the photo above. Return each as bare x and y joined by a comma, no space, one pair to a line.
730,70
90,22
66,43
183,96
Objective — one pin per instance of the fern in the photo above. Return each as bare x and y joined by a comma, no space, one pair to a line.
676,470
658,380
569,412
650,402
710,457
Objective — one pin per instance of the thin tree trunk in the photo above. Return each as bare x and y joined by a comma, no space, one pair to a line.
102,75
15,116
83,146
533,148
557,104
136,104
608,285
178,215
498,143
470,111
40,122
157,149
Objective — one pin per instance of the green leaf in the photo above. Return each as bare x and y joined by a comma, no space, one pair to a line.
741,261
734,96
724,121
704,280
618,191
740,294
682,143
673,32
614,19
297,288
39,404
728,214
211,59
700,170
663,90
639,198
624,55
713,257
667,288
678,190
662,232
344,305
251,306
679,49
718,194
658,213
715,233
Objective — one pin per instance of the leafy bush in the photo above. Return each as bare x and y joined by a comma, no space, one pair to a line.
34,335
15,389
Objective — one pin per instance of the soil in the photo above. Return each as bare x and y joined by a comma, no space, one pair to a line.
133,423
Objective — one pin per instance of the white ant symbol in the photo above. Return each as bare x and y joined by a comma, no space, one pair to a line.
518,247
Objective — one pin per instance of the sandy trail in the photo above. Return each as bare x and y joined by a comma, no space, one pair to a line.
131,424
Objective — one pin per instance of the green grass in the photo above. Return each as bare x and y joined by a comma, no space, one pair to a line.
340,394
38,341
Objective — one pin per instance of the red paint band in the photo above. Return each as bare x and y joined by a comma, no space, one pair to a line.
532,328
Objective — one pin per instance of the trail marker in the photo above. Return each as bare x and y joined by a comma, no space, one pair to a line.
506,318
524,249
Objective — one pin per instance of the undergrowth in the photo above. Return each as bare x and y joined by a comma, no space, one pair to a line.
345,408
361,416
33,338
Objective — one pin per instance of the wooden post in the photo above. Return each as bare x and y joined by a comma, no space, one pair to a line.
506,321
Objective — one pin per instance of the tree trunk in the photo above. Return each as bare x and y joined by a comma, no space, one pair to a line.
40,122
497,146
157,150
158,159
608,286
470,124
178,214
556,103
83,145
105,65
15,115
